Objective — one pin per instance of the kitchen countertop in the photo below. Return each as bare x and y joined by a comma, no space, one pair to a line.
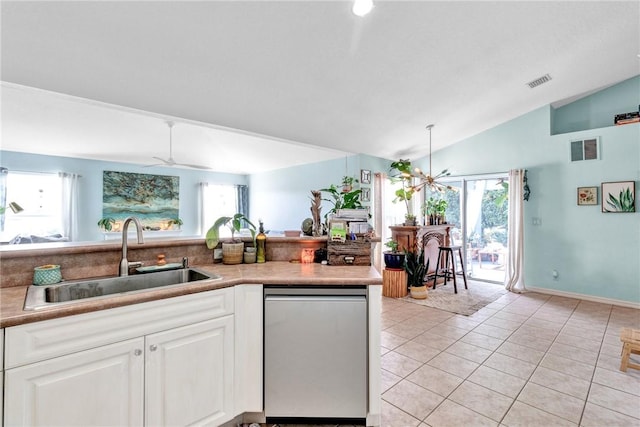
274,272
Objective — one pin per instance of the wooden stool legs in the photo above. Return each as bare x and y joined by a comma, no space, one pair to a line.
630,344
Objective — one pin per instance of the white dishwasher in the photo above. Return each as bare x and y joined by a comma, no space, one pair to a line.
315,353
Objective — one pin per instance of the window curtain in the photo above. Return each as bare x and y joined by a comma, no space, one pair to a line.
242,200
3,195
514,275
218,200
69,208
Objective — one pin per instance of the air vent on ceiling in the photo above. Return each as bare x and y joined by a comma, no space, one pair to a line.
540,80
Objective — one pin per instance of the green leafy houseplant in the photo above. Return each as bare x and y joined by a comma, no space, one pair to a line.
393,259
401,171
175,221
234,223
347,183
342,200
106,223
415,267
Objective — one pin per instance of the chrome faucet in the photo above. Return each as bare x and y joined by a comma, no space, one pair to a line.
124,263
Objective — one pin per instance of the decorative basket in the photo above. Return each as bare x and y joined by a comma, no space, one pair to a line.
232,253
47,275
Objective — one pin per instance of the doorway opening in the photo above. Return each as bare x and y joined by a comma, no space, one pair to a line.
477,209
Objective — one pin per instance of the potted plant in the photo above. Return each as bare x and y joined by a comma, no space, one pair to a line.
347,183
232,252
393,259
177,222
441,209
416,271
401,171
106,223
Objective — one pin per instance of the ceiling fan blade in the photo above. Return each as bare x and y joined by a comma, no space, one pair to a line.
165,161
193,166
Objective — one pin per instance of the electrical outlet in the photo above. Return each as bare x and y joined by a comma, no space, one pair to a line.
536,221
555,274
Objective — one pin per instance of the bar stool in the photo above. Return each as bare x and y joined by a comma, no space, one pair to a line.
446,272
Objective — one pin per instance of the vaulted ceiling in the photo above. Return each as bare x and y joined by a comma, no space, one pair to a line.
258,85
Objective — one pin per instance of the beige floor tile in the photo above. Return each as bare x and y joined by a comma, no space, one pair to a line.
522,338
434,379
482,400
399,364
573,353
406,329
391,341
528,331
523,415
598,416
469,351
509,325
615,400
567,366
618,380
553,402
579,342
483,341
461,322
413,399
498,381
513,317
449,331
493,331
510,365
558,381
453,364
435,341
450,414
394,417
611,349
388,380
590,334
417,351
520,352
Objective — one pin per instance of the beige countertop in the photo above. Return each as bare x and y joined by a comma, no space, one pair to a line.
284,273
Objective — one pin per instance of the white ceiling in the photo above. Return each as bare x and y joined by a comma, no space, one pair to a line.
303,80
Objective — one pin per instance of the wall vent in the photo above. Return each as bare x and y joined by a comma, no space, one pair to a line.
540,80
587,149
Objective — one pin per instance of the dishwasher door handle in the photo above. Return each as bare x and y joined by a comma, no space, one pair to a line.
313,298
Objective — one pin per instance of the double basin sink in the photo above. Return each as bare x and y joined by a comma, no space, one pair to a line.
39,297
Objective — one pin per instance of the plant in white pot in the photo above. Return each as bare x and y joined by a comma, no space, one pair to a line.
232,252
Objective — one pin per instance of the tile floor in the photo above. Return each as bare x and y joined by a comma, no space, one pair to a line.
524,360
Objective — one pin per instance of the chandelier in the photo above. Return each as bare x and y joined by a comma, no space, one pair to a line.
428,180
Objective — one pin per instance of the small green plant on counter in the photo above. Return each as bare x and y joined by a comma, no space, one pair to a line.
106,223
175,221
392,245
234,223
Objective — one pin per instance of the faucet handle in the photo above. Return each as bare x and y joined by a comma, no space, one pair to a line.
185,262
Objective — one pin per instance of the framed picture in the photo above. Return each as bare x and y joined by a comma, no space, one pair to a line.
587,196
619,196
365,176
365,195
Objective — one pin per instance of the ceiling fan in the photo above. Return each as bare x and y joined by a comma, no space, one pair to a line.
170,161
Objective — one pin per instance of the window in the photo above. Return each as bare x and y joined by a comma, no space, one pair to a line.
40,195
221,200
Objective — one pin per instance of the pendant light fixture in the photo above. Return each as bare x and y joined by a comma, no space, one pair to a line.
428,180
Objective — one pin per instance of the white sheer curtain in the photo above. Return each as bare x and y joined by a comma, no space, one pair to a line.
216,200
69,206
514,276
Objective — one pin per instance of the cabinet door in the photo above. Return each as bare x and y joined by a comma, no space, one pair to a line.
102,386
190,374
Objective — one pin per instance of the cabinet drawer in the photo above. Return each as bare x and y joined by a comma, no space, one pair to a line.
43,340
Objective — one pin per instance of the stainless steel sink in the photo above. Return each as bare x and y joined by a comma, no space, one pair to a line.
64,293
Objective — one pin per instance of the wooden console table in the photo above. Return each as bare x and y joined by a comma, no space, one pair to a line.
427,237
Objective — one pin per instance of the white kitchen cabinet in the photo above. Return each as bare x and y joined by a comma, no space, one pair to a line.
189,374
1,373
101,386
89,370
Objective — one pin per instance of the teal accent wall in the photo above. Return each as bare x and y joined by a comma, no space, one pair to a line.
595,253
90,188
599,109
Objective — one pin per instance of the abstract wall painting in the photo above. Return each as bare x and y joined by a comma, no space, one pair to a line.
153,199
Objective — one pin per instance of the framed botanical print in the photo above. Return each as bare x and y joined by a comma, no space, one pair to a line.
619,196
587,196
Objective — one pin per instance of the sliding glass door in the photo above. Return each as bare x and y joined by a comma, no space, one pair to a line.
477,209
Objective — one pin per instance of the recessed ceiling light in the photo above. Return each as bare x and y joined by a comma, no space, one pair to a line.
362,7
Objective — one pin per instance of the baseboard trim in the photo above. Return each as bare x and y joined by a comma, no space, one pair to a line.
591,298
